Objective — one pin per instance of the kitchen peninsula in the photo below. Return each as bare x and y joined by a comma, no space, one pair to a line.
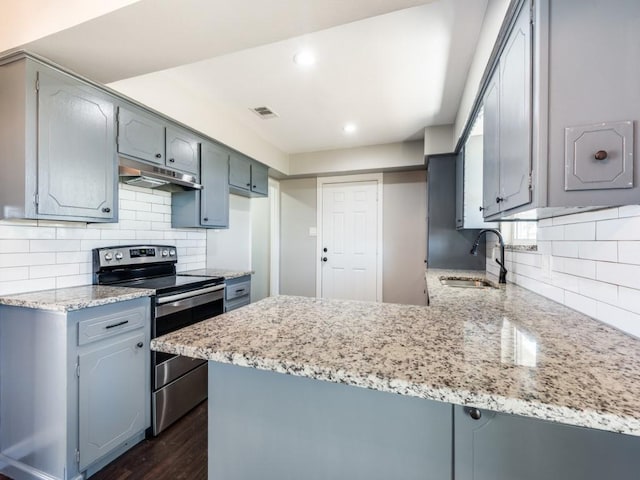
490,383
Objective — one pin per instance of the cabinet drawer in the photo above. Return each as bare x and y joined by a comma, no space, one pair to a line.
238,290
105,326
237,303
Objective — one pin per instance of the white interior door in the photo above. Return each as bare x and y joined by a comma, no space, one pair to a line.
349,241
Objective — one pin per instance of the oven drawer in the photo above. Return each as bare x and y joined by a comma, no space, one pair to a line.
110,324
167,371
238,290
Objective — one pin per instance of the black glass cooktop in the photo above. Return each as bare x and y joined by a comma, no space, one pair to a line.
172,283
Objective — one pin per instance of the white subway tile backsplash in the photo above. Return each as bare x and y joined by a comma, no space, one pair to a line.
605,251
560,248
14,246
54,245
17,231
629,211
13,273
43,271
619,274
629,252
574,266
602,291
40,255
583,217
619,318
627,228
582,304
551,233
580,231
629,299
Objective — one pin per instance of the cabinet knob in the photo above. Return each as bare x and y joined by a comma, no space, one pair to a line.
481,208
206,219
499,199
172,160
106,209
601,155
475,413
324,259
248,184
140,345
325,250
254,186
158,155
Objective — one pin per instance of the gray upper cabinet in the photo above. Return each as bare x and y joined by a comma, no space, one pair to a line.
182,150
146,137
507,127
76,149
560,138
140,136
208,207
494,446
247,177
57,146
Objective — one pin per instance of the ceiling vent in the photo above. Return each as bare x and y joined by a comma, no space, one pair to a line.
264,112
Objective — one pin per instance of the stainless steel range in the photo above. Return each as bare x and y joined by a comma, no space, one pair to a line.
177,383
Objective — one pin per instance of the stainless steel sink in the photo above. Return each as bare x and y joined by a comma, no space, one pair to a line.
466,282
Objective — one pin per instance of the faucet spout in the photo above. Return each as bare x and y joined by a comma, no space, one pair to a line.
474,251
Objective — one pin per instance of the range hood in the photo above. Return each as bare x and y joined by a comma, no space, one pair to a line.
146,175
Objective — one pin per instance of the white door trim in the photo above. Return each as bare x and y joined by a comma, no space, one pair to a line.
365,177
274,257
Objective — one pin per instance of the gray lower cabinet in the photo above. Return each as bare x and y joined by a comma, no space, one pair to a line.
237,292
558,138
75,388
509,447
57,146
247,177
208,207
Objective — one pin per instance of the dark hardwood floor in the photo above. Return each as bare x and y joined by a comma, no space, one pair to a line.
180,452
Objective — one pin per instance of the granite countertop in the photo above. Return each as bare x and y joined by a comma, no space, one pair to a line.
504,349
218,272
74,298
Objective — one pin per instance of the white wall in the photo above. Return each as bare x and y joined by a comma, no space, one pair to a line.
404,237
23,21
231,248
438,139
369,158
496,10
260,243
589,262
39,255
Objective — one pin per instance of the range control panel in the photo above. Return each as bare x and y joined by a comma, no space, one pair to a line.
134,255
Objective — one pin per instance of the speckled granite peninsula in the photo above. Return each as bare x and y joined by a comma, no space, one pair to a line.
505,349
74,298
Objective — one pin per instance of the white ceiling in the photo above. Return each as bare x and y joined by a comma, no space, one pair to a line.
392,67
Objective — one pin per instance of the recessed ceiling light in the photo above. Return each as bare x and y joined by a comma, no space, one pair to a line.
349,128
304,58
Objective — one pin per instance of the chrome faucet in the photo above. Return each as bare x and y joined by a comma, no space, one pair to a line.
474,251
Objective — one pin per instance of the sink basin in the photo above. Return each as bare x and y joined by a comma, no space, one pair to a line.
465,282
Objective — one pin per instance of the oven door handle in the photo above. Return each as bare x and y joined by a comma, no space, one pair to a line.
193,293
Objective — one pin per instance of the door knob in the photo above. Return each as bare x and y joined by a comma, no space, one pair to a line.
324,259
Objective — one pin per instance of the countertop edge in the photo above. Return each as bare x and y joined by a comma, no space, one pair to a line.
73,305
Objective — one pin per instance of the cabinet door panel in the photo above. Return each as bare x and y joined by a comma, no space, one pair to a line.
460,189
76,150
491,149
259,179
507,447
214,206
182,151
111,396
239,172
140,136
515,115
